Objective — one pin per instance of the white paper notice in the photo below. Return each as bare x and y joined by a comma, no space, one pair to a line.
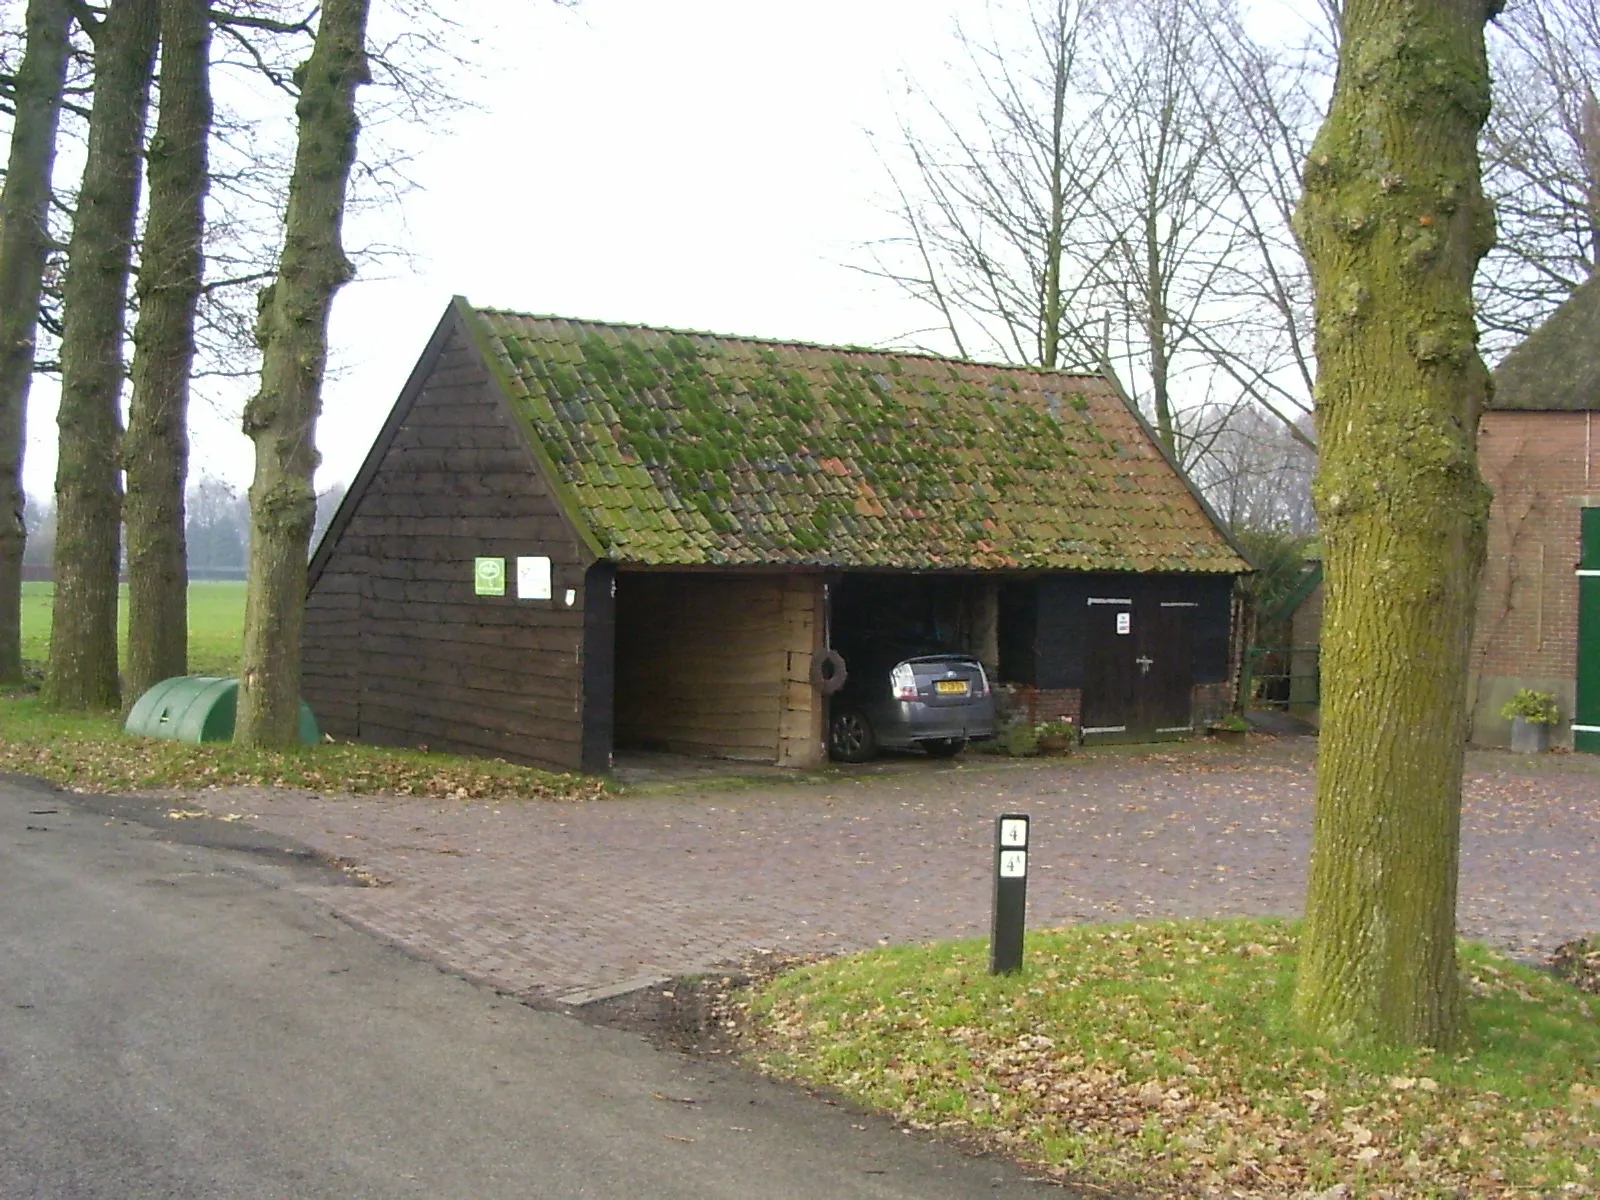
533,579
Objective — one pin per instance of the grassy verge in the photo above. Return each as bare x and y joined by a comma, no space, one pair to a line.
1158,1057
92,754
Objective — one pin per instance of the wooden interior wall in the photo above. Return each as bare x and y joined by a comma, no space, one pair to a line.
398,648
711,664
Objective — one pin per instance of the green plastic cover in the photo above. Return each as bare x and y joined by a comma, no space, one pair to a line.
199,708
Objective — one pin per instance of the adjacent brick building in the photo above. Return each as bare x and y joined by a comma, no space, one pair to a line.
1538,623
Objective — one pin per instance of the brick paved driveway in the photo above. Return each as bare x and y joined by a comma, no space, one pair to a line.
557,900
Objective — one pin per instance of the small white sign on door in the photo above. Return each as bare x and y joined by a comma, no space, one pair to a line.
533,579
1124,622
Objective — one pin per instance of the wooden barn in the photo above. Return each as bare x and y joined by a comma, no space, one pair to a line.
573,538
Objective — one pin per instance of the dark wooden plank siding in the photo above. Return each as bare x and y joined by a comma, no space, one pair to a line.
1213,629
1062,616
398,649
599,667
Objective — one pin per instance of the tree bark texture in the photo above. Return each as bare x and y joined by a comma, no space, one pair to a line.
293,333
83,642
24,247
1394,222
155,450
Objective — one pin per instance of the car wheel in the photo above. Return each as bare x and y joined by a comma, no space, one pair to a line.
850,736
945,747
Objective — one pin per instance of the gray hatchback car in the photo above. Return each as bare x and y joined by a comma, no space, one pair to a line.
901,696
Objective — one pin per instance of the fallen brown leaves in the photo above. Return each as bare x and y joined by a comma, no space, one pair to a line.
92,754
1578,962
1158,1056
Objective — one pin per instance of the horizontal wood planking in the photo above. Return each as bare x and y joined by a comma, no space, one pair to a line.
466,740
474,685
497,624
473,647
395,633
508,710
700,663
426,717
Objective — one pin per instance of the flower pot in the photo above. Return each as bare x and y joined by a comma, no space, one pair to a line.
1529,737
1055,744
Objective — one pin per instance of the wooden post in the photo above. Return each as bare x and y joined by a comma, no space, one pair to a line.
800,725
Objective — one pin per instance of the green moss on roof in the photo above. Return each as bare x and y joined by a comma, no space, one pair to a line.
691,449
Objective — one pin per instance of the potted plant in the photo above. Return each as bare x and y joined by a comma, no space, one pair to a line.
1230,728
1056,737
1531,714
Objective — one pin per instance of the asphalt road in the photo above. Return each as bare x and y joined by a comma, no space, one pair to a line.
177,1022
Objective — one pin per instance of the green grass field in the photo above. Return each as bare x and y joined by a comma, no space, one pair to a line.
216,625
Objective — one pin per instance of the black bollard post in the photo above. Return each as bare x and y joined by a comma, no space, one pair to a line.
1010,894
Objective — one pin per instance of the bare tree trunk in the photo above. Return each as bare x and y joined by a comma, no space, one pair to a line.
24,245
282,416
1060,42
83,643
156,447
1394,222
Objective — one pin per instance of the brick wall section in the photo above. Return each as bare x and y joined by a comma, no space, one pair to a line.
1212,701
1544,468
1305,627
1038,704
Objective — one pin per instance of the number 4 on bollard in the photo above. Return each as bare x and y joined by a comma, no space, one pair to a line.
1010,893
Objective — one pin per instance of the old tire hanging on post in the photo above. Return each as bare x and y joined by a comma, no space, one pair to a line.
828,671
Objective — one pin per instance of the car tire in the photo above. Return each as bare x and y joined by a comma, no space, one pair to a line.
945,747
850,736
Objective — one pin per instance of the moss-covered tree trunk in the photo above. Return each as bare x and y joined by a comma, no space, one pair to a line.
155,450
282,416
24,245
83,639
1394,223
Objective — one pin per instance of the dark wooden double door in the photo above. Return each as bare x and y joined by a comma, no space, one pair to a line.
1138,668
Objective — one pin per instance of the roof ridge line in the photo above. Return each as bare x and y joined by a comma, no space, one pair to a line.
795,342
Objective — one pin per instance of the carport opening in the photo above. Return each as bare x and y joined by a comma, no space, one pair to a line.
717,665
950,612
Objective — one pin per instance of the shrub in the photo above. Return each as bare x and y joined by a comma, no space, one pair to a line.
1536,707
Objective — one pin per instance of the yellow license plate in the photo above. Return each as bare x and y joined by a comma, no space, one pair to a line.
951,687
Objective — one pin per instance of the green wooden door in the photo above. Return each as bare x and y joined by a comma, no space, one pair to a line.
1586,720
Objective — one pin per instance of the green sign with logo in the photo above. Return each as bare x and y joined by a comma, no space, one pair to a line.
489,576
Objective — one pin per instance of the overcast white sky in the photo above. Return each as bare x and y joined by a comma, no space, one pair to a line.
701,164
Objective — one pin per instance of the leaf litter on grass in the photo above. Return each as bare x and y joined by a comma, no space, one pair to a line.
1159,1056
92,754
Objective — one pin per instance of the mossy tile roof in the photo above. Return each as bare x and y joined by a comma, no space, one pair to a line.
1556,368
689,449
